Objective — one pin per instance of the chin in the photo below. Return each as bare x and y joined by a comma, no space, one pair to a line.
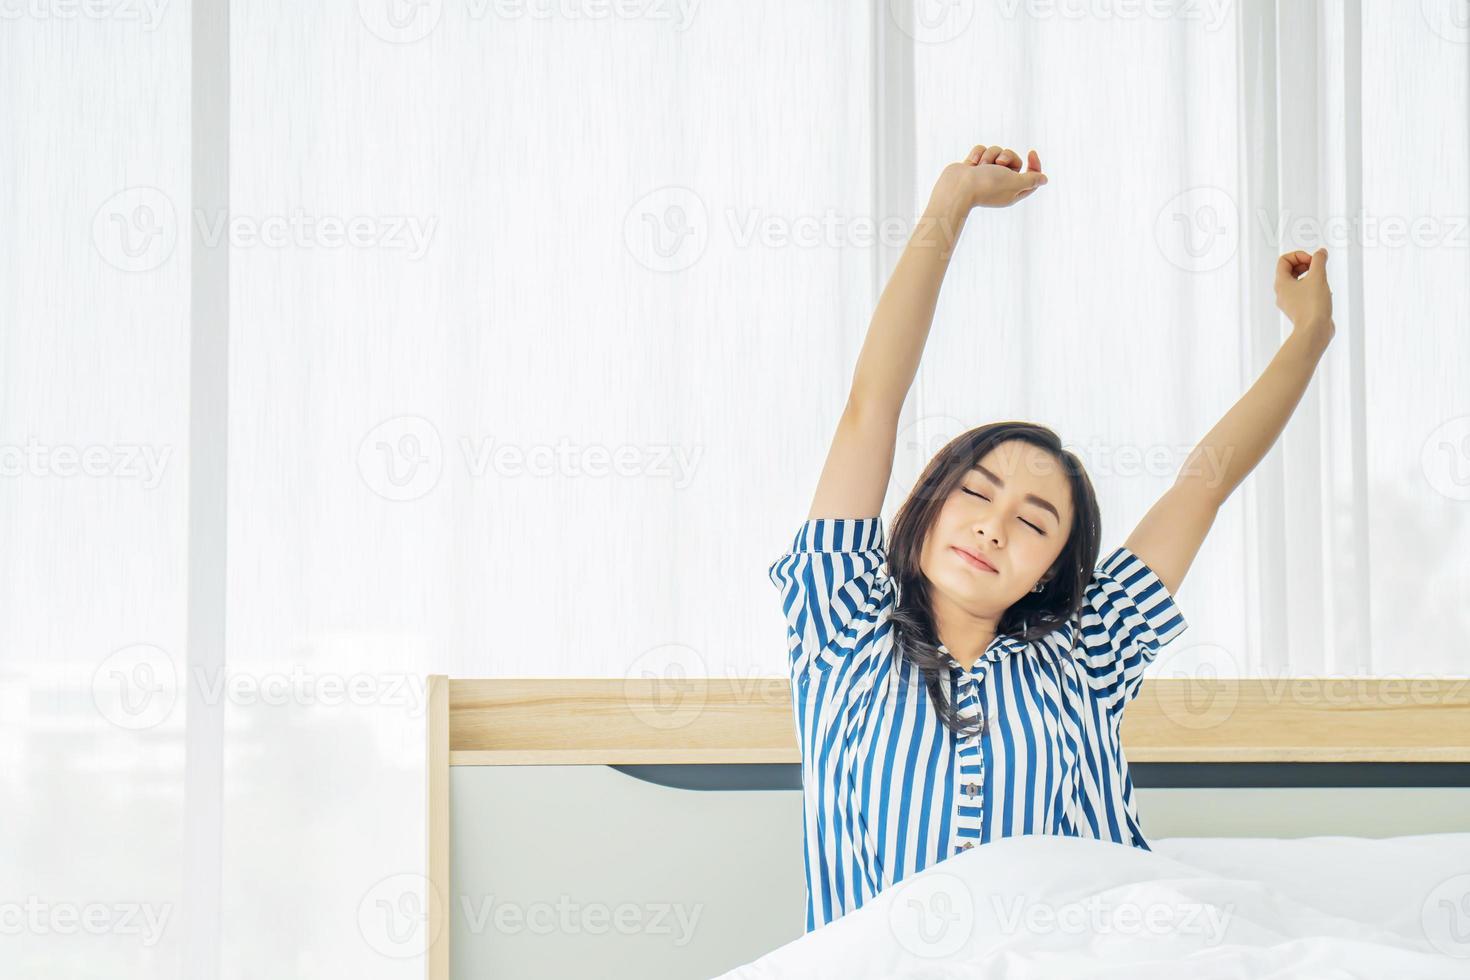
960,584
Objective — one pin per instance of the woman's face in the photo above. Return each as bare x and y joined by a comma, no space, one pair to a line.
1012,511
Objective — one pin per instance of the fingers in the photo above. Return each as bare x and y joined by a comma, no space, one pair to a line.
1292,264
1023,181
1033,169
1008,157
1028,183
1318,262
1004,156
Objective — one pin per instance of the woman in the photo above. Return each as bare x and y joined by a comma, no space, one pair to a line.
967,683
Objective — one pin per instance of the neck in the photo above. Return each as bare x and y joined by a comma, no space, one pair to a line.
964,634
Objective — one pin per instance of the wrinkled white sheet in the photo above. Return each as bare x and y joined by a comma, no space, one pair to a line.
1049,907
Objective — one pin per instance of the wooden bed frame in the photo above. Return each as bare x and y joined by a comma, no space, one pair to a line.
707,721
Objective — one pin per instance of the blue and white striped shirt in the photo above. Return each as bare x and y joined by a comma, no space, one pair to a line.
888,789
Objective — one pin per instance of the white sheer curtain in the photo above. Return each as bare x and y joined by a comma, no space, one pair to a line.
540,317
94,415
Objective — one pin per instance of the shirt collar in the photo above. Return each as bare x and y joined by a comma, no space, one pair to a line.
1001,646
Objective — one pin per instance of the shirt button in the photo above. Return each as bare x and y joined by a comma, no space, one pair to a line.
967,845
972,790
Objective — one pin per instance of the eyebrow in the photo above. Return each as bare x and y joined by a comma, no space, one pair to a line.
1029,498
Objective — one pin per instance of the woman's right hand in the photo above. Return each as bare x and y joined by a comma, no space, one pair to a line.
1302,292
991,177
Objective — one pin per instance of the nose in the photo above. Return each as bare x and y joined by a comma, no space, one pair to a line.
994,536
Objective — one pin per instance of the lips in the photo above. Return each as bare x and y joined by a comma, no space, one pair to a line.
975,561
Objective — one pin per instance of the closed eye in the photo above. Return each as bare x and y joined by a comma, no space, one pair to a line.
1023,520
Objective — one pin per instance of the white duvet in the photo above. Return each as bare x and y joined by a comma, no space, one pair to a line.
1050,907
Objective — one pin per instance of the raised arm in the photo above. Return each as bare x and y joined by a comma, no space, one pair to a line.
1170,534
860,460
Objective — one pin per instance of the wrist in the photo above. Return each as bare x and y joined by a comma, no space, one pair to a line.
1315,332
944,216
951,194
1316,325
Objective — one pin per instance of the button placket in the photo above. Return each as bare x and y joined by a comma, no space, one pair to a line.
970,766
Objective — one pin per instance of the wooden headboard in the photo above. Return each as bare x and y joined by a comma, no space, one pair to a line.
705,721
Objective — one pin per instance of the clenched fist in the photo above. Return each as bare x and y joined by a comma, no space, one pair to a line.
1301,288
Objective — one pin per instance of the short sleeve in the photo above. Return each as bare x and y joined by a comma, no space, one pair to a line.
835,589
1127,616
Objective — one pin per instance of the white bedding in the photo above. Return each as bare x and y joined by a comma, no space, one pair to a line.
1049,907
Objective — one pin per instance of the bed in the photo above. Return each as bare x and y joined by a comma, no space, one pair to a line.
651,827
1036,907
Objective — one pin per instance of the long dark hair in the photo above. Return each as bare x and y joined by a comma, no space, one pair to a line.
1034,615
